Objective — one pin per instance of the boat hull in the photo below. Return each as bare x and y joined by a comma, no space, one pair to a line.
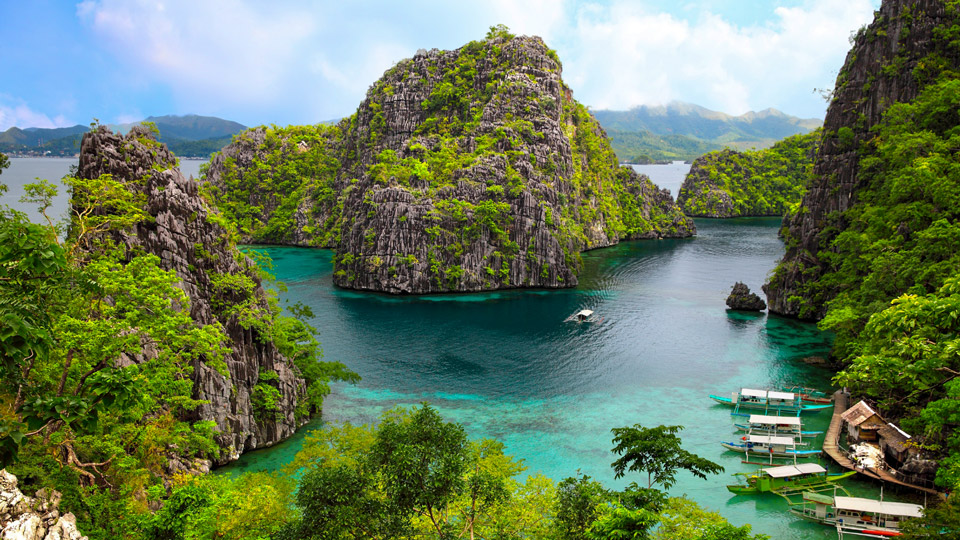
763,451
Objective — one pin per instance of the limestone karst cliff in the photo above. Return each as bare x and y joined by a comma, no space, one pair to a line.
909,45
187,236
768,182
464,170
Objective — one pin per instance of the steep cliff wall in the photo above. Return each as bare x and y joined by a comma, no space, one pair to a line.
187,236
767,182
465,170
908,45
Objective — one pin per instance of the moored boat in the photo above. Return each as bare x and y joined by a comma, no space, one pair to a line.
857,516
769,445
788,426
810,395
769,401
786,479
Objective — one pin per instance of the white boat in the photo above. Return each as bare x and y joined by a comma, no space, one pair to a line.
857,516
770,401
787,426
584,315
769,445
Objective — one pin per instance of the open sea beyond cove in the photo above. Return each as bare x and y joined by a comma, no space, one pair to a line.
506,365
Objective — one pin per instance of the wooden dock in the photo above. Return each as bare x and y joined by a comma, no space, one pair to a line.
831,446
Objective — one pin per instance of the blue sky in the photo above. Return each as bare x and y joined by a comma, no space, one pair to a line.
299,61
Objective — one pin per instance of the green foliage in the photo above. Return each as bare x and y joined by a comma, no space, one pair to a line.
683,519
292,164
657,452
578,505
253,506
756,183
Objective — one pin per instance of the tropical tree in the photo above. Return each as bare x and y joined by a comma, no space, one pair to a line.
657,452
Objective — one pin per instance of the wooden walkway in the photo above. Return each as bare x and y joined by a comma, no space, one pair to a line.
831,446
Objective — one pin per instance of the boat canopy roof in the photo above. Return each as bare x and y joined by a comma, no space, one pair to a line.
585,312
858,504
821,498
774,420
787,396
753,393
795,470
764,439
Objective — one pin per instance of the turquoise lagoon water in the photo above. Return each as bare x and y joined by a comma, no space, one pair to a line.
506,365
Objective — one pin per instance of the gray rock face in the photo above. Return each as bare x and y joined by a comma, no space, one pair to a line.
184,234
33,518
698,187
865,88
743,300
531,181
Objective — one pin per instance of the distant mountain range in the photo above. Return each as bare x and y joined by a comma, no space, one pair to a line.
187,136
678,131
685,131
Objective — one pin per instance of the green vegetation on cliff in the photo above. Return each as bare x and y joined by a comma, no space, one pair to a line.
889,273
766,182
495,178
901,242
100,348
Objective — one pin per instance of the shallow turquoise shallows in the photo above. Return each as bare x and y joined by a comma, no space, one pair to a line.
506,365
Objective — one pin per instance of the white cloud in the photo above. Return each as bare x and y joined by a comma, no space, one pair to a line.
302,62
213,49
624,55
16,113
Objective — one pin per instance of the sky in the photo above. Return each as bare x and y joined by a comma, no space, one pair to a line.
305,61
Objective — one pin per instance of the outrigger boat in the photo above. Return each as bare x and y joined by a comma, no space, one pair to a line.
810,395
770,401
789,426
769,445
787,480
584,315
857,516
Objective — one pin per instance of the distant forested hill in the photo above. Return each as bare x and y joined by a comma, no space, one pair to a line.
686,131
187,136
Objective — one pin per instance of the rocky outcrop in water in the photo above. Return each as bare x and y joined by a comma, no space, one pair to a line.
464,170
33,518
742,299
186,235
891,61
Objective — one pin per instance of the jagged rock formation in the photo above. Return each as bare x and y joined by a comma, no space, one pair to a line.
767,182
33,518
187,237
742,299
463,170
902,51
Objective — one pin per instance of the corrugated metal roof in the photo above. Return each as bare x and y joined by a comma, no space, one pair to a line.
795,470
857,504
774,420
858,414
765,439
